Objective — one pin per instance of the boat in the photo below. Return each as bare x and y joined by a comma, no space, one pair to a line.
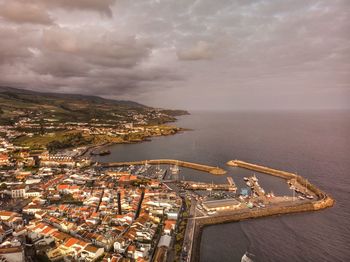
255,179
271,194
160,173
309,197
104,152
174,169
261,205
247,257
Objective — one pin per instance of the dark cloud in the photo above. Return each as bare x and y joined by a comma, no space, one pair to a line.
226,50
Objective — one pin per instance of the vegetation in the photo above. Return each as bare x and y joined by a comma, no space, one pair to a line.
54,141
63,108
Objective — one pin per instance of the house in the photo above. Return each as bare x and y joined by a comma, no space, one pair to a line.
48,160
223,204
33,192
92,253
169,226
65,188
120,245
32,208
164,241
11,219
4,159
15,254
18,191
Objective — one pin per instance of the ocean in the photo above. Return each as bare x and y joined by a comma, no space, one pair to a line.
315,144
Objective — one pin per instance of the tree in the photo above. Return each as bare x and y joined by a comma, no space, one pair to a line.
3,186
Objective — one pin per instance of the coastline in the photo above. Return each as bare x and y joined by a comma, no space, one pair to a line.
253,214
148,138
324,201
197,224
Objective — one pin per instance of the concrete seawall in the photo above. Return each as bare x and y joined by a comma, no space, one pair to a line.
323,201
251,214
283,174
210,169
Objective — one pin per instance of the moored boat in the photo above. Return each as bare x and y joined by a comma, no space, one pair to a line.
247,257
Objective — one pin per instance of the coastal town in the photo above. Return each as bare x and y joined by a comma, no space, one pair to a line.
59,207
64,206
58,202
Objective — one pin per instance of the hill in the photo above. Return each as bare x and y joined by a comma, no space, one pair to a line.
18,103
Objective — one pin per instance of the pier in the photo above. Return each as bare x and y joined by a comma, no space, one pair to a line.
201,167
321,201
301,181
190,185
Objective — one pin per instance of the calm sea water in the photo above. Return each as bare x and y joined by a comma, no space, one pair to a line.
314,144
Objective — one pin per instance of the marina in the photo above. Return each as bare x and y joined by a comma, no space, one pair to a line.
231,240
215,208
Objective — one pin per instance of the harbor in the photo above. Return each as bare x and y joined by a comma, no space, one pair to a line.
216,203
254,202
220,241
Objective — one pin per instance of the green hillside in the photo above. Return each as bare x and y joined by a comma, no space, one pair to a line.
18,103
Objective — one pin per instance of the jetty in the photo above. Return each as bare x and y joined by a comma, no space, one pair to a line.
282,174
201,167
191,185
321,201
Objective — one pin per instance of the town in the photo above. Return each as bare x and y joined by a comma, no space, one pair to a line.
67,209
63,206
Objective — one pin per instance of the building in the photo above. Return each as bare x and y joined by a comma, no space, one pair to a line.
56,160
18,191
221,205
4,160
13,254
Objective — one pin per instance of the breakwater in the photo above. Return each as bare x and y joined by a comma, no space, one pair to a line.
189,185
323,201
279,173
201,167
251,214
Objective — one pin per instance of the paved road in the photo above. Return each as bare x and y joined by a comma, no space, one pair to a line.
191,223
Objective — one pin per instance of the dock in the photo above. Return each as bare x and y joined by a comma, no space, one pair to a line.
201,167
189,185
301,181
230,181
321,201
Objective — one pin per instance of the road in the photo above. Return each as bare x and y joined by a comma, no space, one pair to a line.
191,224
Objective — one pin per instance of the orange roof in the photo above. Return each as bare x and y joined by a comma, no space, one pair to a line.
131,248
47,230
70,242
62,187
7,213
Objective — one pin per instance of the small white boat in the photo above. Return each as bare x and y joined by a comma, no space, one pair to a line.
247,257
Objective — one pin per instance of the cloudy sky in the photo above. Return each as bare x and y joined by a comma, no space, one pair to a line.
191,54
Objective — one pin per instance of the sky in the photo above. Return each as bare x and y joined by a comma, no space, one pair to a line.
186,54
